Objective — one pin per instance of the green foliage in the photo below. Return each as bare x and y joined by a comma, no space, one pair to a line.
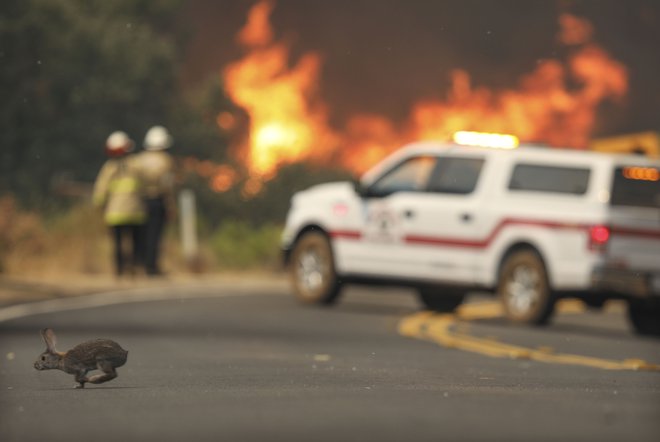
72,72
193,121
237,245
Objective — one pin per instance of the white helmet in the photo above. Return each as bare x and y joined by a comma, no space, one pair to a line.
157,138
118,143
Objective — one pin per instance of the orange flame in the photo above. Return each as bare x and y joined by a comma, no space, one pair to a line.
555,104
542,108
286,120
220,177
574,30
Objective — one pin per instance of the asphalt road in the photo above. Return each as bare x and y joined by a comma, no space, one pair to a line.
252,365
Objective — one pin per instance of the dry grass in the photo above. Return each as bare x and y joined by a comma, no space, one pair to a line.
77,242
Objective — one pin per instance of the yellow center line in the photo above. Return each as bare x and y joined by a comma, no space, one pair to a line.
441,329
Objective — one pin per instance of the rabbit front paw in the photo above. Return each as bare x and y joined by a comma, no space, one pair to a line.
80,378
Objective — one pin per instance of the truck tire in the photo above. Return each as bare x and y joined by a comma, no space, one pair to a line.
644,315
440,299
312,270
524,290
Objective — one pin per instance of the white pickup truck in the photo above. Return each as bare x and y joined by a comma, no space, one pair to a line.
531,224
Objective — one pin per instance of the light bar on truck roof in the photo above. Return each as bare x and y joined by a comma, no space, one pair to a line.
484,139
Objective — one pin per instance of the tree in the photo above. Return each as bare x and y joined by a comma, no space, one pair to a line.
72,72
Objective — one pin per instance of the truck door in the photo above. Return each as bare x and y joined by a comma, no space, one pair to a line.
382,249
443,228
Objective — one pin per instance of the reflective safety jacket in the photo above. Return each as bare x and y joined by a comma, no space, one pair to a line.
156,170
118,189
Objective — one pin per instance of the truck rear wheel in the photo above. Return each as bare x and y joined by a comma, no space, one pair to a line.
312,270
644,316
524,290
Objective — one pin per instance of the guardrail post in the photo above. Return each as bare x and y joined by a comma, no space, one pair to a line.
188,228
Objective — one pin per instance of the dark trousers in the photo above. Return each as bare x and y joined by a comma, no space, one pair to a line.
127,240
156,218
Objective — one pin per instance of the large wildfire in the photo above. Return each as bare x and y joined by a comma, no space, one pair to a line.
555,104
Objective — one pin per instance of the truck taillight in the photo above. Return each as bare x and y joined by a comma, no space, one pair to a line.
598,237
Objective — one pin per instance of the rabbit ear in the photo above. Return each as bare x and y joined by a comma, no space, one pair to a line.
49,338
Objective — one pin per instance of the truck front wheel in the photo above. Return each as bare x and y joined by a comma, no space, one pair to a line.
312,270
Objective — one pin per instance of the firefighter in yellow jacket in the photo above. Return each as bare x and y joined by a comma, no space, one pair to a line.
118,190
157,172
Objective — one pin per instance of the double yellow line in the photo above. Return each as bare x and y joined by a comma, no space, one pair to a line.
446,330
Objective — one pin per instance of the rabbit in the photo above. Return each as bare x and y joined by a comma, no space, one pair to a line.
102,354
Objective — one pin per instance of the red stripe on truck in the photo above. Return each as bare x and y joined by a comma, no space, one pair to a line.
485,242
346,234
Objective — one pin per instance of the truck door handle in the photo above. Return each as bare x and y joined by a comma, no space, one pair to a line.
466,217
408,213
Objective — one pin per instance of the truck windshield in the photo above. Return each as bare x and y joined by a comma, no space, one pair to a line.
636,186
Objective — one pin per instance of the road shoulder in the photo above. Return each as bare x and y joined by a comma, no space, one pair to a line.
22,289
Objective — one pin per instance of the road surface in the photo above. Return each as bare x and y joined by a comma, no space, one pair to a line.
240,364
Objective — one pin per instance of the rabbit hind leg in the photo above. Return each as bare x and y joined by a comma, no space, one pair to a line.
108,370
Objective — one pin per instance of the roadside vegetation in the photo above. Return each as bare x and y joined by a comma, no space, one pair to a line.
235,233
76,242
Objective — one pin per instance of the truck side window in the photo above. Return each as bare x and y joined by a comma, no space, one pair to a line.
410,175
553,179
636,186
456,175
